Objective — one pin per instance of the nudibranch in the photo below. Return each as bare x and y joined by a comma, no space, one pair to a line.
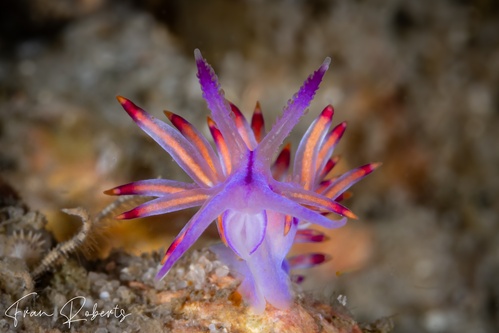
260,206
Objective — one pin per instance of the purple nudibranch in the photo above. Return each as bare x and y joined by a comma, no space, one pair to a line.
245,184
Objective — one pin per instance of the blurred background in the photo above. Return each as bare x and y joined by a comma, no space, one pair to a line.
417,82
